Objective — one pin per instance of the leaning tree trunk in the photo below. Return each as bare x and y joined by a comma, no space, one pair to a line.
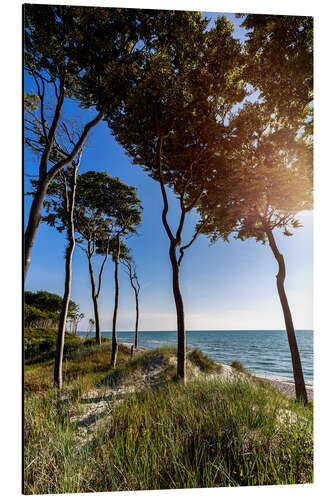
35,217
296,360
115,311
67,292
181,337
95,301
37,203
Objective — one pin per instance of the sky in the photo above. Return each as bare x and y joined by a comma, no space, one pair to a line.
225,286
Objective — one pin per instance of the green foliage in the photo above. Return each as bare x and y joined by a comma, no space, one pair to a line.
32,314
262,180
203,362
237,365
280,64
105,208
84,362
188,86
31,101
92,341
72,44
264,177
209,433
47,301
83,53
40,344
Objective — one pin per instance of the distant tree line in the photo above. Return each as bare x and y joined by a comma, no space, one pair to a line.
42,309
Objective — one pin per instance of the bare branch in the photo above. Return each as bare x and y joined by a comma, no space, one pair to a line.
55,169
197,232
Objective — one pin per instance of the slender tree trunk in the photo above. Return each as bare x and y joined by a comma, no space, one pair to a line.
295,357
136,319
181,338
115,311
67,292
63,316
39,197
34,220
37,203
95,301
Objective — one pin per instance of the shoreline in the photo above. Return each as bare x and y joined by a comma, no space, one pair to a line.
287,388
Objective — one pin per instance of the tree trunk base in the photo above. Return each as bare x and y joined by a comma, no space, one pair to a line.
114,353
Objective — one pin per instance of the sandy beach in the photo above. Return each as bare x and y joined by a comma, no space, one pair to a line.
289,389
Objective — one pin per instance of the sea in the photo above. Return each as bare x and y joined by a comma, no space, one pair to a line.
262,352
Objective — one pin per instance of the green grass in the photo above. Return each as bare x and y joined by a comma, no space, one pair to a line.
209,433
203,362
89,363
237,365
40,344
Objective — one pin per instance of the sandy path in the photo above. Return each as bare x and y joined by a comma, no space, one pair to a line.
98,403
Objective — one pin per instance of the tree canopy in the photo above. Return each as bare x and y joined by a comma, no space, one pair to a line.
280,64
175,119
105,206
262,182
47,301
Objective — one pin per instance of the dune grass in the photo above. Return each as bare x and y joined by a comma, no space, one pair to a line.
212,432
40,344
237,365
208,434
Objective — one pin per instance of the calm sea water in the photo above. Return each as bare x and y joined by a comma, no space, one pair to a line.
262,352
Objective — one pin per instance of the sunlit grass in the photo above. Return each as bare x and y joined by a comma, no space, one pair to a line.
212,432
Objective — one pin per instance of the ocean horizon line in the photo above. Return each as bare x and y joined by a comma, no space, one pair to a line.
220,330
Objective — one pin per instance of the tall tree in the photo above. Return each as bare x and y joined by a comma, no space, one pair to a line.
82,53
69,201
128,217
130,268
174,120
54,59
269,182
60,203
106,209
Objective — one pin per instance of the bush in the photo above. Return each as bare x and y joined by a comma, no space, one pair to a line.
92,341
206,364
40,343
237,365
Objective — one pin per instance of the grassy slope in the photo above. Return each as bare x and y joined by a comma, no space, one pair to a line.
213,432
40,344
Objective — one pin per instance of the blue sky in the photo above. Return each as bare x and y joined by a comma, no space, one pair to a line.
225,286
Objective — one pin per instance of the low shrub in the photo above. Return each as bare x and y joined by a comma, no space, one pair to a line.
237,365
206,364
40,344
